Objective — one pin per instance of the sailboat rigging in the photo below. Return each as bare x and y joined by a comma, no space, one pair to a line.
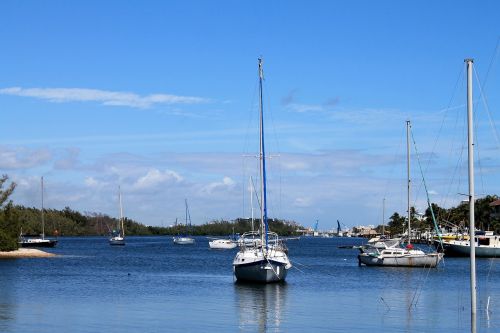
262,255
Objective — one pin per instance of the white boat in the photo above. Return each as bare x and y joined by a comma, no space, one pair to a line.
385,254
185,239
222,244
25,241
119,237
486,246
265,260
397,256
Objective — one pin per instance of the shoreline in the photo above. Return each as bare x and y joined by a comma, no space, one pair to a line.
26,253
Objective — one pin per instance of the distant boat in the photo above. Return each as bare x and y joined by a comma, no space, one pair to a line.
264,260
393,254
25,241
119,237
222,244
185,239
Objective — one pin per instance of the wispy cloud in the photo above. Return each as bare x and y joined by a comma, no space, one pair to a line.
302,108
290,102
22,157
105,97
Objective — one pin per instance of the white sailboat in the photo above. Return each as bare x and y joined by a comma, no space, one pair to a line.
119,238
37,241
185,239
262,256
394,255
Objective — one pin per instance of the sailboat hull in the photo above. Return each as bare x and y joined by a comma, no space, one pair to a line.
38,243
462,249
263,271
117,242
427,260
184,240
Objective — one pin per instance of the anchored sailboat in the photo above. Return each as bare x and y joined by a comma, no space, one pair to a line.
185,239
119,237
394,255
262,256
40,241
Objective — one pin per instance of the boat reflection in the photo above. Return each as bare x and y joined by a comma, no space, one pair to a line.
261,307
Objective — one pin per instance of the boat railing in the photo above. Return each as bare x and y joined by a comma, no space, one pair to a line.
253,239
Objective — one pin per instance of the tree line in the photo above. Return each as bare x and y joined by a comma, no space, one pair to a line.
455,216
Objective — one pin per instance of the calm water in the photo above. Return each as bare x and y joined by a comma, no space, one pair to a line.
151,285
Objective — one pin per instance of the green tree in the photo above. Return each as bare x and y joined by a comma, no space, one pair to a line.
9,220
396,224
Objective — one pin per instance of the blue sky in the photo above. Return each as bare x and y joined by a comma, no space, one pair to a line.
160,97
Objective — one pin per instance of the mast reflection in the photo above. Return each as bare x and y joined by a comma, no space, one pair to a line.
261,306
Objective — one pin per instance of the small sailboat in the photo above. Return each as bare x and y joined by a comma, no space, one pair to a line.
262,256
119,237
41,241
391,253
185,239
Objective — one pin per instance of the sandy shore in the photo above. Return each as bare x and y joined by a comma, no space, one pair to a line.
25,253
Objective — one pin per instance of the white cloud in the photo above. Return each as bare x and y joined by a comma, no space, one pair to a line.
105,97
155,177
92,182
301,108
226,184
302,202
295,165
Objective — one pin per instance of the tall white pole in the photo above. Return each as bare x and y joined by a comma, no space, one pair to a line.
408,174
470,144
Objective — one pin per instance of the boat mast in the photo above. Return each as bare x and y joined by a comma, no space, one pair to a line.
43,220
262,156
121,211
408,126
251,199
186,204
470,144
383,217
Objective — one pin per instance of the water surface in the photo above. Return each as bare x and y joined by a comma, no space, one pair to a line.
152,285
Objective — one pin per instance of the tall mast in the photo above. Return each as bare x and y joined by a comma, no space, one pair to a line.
121,211
408,126
43,220
186,204
251,199
470,144
383,216
262,156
